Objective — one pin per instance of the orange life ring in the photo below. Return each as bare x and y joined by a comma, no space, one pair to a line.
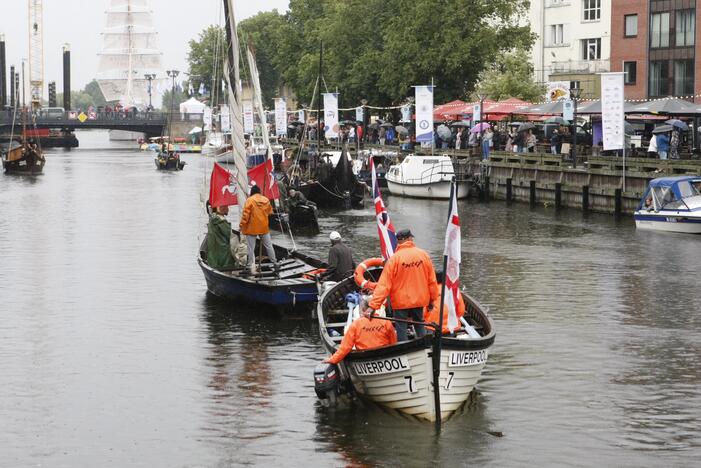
360,270
314,273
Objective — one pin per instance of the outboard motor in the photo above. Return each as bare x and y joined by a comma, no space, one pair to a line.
327,382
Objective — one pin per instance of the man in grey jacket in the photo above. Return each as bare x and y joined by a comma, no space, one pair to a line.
341,264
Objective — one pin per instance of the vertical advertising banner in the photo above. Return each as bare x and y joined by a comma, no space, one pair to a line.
477,113
568,110
247,117
331,115
612,116
424,113
280,117
225,118
207,118
300,115
406,113
360,114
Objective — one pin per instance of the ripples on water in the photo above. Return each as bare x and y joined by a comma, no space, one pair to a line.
112,354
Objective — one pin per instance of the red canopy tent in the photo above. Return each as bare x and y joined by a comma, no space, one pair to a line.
449,110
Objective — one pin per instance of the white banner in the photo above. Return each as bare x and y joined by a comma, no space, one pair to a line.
247,117
612,116
406,113
360,114
424,114
477,113
300,115
331,115
280,117
568,110
207,118
225,118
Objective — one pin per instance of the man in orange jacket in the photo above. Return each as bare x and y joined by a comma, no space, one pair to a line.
432,315
364,333
254,223
408,278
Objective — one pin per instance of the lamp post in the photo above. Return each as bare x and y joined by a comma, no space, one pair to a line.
410,101
171,74
575,93
149,77
364,102
481,97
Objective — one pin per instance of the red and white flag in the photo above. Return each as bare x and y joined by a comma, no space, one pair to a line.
388,239
262,176
452,252
220,193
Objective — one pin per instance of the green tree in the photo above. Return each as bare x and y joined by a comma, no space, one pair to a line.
511,76
93,89
91,95
180,97
206,61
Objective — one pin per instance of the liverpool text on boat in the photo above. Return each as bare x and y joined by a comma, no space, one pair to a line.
671,204
399,376
424,177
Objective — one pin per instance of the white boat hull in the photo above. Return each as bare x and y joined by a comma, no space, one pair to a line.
670,222
125,135
434,190
410,391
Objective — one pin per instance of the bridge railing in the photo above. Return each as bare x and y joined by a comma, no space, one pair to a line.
101,115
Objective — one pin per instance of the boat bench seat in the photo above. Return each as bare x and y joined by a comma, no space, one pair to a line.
336,324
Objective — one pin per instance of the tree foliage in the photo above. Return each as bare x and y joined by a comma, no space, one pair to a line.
511,76
206,61
180,97
378,49
91,95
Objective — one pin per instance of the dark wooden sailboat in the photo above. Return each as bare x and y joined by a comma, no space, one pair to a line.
169,161
24,157
333,186
300,218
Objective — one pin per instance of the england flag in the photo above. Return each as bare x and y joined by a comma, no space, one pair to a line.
388,239
452,253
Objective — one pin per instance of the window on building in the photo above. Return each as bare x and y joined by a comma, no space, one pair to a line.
685,26
557,35
591,49
592,10
683,77
630,26
659,78
659,30
630,72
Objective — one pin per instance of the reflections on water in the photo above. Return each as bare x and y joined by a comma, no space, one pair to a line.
113,354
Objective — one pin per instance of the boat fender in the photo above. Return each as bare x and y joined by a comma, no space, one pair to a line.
314,273
360,270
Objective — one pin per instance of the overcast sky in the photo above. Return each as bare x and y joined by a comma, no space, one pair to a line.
80,22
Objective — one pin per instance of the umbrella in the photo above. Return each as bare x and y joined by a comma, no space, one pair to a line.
295,123
461,123
195,130
374,125
402,130
663,129
525,126
347,122
557,120
676,123
628,129
480,127
444,132
387,125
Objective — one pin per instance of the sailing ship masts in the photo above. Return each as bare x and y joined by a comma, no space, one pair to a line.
233,83
258,100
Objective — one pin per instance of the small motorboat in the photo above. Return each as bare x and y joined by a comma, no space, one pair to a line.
23,158
289,285
425,177
671,204
399,376
169,161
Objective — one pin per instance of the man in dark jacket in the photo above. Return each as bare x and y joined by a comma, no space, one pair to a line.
341,264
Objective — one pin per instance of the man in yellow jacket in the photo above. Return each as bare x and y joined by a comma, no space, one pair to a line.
254,223
408,278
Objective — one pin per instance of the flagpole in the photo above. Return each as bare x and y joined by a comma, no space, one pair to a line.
437,334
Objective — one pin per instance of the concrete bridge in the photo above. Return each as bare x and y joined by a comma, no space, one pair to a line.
150,123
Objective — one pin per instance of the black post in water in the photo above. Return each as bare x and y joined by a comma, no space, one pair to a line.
509,183
618,201
12,86
585,198
67,77
3,76
558,195
532,193
318,103
486,188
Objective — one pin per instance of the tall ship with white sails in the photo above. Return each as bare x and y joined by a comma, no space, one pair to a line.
130,51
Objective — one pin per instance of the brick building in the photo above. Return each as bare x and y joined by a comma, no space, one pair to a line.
654,43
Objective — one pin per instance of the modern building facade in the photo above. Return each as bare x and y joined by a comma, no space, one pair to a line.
654,44
573,41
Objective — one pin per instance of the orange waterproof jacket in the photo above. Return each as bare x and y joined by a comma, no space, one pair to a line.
365,334
432,315
408,279
254,219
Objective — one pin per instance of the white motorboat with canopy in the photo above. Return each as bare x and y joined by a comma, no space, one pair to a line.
424,177
671,204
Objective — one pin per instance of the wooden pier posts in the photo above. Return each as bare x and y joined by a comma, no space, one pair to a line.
618,194
558,195
585,198
532,193
508,190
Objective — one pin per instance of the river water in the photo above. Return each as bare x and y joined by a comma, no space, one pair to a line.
113,354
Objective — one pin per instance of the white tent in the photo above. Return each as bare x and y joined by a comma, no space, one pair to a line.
192,106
